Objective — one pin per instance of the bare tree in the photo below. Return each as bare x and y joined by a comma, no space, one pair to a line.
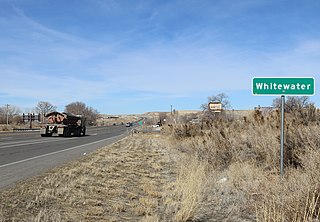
221,97
80,108
45,107
3,115
11,111
293,103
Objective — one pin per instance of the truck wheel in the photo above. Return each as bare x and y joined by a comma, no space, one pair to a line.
77,132
66,132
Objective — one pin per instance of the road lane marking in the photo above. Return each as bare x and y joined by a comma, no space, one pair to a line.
6,138
22,143
18,143
60,151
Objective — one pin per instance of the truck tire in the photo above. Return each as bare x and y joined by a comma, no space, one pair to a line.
66,132
77,132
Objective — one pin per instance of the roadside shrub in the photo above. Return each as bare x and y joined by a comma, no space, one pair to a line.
246,155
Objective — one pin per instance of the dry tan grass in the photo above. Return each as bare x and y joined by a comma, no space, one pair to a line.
189,189
241,161
222,170
122,182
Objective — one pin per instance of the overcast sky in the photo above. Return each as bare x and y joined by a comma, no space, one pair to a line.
131,56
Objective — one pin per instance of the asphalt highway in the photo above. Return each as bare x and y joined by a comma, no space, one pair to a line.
26,154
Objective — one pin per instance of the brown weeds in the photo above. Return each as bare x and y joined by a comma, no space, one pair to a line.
222,169
123,182
242,159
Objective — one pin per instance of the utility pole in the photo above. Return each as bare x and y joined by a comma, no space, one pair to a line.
171,110
7,113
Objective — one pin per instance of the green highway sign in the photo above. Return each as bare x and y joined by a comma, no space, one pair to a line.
298,86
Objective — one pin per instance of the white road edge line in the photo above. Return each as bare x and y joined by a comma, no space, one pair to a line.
60,151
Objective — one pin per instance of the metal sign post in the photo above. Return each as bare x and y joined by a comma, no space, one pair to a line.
293,86
282,134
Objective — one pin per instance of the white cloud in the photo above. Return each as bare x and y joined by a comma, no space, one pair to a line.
40,61
31,85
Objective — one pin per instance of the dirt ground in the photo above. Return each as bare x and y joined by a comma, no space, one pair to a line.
126,181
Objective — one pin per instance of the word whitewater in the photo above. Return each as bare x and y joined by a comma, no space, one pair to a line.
283,86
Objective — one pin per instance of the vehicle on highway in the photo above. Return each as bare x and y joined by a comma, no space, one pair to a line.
128,124
63,124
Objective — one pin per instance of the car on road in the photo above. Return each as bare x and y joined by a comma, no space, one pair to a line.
128,124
